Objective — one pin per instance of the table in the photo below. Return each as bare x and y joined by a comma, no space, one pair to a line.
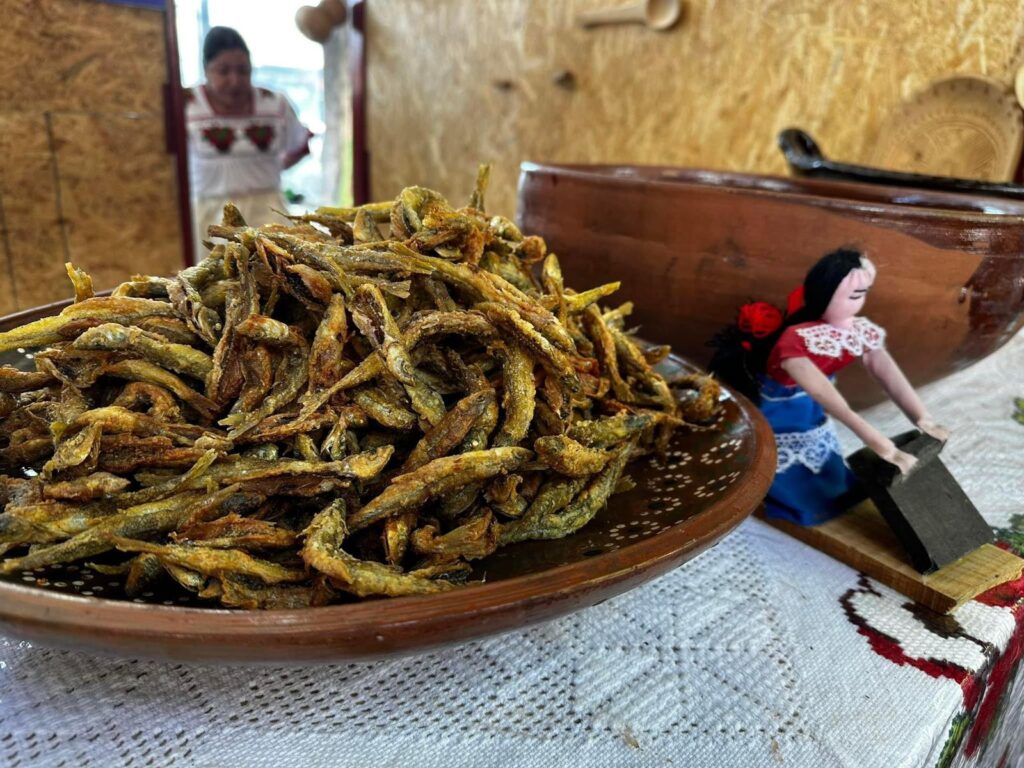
761,652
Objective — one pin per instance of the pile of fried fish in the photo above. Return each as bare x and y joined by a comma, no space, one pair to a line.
358,403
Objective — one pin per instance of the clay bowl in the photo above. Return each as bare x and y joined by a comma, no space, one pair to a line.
709,482
691,246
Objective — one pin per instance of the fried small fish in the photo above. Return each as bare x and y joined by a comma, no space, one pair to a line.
568,457
322,551
415,373
439,477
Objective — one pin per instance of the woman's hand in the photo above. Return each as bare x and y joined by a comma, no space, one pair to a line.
930,427
887,450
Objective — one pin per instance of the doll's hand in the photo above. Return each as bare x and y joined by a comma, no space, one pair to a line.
903,460
894,455
934,429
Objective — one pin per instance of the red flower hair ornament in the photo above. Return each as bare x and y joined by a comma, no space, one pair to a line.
795,300
759,319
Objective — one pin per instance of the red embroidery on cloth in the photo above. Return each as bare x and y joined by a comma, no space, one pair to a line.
890,648
1008,595
985,689
220,137
260,135
997,685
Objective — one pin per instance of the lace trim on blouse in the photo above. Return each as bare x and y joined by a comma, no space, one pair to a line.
828,341
811,448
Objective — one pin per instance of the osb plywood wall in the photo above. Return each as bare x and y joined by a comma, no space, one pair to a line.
453,82
84,171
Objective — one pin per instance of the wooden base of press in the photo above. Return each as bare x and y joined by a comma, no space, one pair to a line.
863,540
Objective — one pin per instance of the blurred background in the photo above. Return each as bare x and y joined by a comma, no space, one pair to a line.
419,91
283,60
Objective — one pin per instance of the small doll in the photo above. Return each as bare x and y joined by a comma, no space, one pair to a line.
787,365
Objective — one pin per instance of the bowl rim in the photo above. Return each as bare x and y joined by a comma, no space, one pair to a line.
607,174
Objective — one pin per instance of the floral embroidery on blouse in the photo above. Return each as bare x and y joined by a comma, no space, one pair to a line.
829,341
220,136
261,136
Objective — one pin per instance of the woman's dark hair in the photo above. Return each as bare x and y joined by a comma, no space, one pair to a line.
220,39
740,356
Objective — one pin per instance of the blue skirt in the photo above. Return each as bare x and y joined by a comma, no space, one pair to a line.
812,482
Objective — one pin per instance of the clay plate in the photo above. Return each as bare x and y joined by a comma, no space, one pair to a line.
708,483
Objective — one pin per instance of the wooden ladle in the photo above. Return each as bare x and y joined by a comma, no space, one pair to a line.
660,15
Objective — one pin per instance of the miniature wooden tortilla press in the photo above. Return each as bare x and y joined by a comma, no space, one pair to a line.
917,533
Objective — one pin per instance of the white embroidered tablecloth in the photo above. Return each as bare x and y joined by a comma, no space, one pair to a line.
761,652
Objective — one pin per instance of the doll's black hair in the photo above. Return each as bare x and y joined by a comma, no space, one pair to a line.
740,357
220,39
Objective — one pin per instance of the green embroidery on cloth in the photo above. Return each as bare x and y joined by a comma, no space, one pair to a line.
1013,534
957,731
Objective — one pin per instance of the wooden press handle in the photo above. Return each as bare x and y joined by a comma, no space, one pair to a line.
628,14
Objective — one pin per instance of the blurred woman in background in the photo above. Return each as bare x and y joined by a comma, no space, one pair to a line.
240,138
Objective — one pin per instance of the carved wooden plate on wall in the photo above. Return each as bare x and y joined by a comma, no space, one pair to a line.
709,481
968,127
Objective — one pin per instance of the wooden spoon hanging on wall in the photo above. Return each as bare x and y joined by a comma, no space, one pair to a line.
316,22
660,15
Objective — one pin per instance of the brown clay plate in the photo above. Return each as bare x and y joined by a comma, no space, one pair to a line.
684,503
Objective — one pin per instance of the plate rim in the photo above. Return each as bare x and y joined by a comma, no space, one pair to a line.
385,626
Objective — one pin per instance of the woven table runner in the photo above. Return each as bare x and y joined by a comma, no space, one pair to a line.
761,652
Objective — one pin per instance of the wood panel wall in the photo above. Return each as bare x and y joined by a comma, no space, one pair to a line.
454,82
84,170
